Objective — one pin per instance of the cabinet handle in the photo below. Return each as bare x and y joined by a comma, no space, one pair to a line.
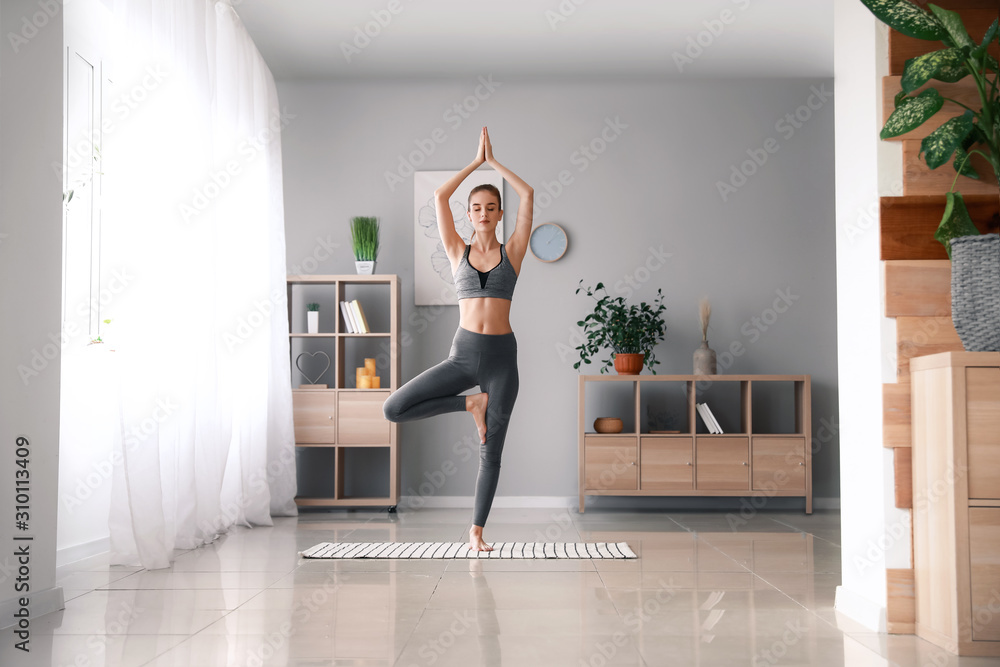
330,417
801,463
744,463
689,463
632,464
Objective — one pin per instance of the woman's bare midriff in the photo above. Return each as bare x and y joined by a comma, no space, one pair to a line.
485,315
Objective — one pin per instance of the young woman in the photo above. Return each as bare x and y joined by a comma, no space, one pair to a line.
484,351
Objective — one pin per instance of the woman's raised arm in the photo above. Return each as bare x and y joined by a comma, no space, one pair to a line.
454,245
517,245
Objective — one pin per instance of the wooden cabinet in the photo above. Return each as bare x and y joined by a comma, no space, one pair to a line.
361,420
685,461
723,462
779,463
667,463
314,414
611,463
955,408
984,567
983,415
333,418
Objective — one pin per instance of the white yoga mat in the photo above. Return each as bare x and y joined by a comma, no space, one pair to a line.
505,550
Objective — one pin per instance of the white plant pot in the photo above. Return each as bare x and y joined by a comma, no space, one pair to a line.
365,268
312,321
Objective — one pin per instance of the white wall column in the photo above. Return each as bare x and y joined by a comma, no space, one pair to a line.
875,534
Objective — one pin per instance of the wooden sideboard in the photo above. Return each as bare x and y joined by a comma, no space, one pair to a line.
956,500
772,459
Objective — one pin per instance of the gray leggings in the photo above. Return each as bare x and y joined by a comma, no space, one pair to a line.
486,360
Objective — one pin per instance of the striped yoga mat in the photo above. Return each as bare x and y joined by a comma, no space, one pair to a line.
526,550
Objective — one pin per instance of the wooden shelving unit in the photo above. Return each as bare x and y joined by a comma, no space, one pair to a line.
343,417
743,461
956,508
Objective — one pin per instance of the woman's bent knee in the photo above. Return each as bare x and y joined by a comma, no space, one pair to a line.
391,409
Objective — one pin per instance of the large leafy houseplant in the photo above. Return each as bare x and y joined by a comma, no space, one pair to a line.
624,329
959,136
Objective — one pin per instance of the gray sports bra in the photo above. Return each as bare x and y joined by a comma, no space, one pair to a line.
498,282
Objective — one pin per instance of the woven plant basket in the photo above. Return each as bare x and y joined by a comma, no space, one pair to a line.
975,291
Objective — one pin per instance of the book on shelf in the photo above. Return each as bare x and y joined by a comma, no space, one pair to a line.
708,418
359,314
348,317
711,415
701,413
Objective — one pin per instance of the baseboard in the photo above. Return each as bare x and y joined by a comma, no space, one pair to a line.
860,609
560,502
68,555
826,504
466,502
40,604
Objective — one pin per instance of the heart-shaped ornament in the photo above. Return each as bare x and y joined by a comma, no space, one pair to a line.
312,354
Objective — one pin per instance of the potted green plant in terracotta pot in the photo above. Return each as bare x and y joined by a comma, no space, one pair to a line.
364,240
630,332
975,257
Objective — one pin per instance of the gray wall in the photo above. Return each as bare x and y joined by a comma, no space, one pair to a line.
653,189
31,141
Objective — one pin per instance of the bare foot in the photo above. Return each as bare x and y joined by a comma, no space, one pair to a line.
476,404
476,542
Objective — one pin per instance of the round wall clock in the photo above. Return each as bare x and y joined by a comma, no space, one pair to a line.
548,242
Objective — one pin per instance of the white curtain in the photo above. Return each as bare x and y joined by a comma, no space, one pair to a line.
193,223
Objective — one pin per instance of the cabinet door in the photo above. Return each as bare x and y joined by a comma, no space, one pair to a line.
723,463
666,463
983,415
314,417
779,464
610,463
984,554
361,420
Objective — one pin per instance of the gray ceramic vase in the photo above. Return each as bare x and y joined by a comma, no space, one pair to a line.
704,360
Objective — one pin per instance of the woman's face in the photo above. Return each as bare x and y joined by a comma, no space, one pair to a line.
484,211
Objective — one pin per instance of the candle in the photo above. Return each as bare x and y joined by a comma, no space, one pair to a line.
376,382
364,382
370,365
360,372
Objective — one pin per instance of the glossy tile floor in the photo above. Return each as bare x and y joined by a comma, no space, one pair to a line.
705,590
